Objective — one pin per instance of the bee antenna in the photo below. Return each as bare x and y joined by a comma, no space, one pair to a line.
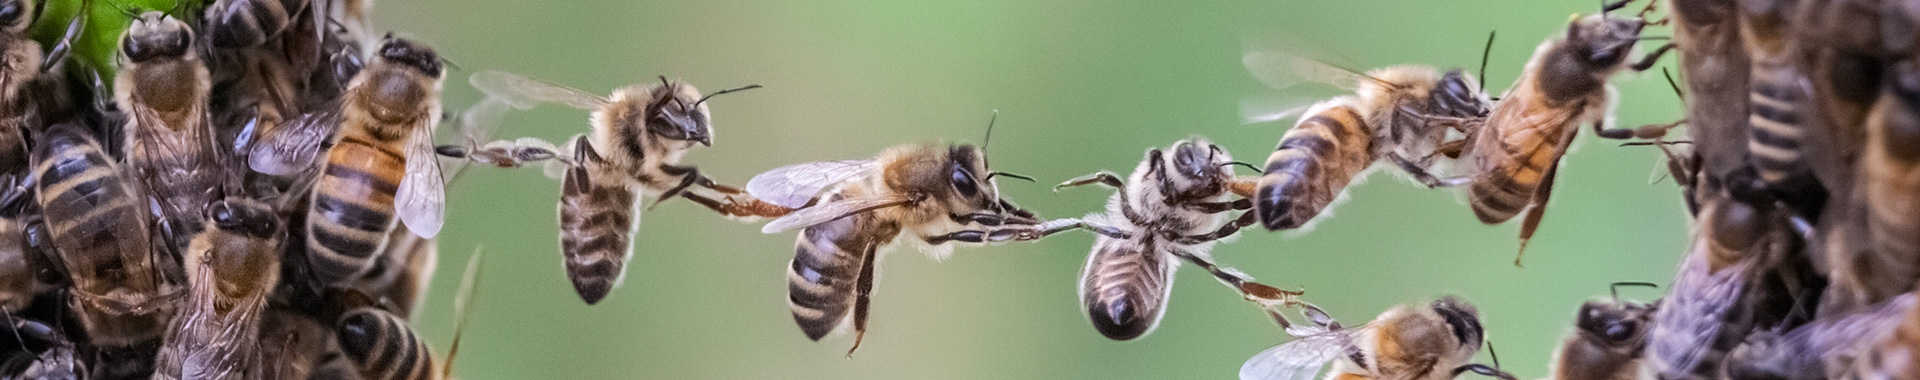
990,175
703,99
1613,6
1255,169
1495,354
1484,53
989,140
449,63
131,13
1616,286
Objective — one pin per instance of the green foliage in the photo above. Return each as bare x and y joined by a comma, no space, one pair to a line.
98,45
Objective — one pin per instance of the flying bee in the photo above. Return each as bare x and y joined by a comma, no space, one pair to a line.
1398,114
1433,341
1173,209
1565,85
382,346
849,211
380,165
231,268
163,87
640,134
122,292
1608,340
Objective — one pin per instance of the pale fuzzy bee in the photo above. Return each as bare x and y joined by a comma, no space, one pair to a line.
1564,86
924,195
1433,341
639,136
231,269
1173,207
1400,115
1607,342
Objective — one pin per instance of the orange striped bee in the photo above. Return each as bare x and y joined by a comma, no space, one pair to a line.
1608,340
123,293
1429,342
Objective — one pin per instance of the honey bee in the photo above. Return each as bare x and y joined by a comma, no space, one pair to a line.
850,211
295,345
23,266
1565,85
1829,345
1173,210
1399,114
640,134
122,292
20,57
1743,271
1716,67
1868,243
1778,101
380,164
382,346
246,23
1608,341
163,88
231,268
1433,341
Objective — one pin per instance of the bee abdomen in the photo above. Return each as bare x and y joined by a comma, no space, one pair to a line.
1776,134
1124,289
1315,161
352,210
1497,196
382,346
820,279
596,228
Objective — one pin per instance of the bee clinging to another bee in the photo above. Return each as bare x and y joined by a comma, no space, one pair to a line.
1434,341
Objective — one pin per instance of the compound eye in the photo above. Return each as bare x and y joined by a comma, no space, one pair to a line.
1621,331
963,182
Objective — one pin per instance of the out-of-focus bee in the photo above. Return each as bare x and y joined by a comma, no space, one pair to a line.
1779,100
24,267
1434,341
1565,85
639,137
1828,346
381,163
925,195
49,356
231,268
1173,209
383,347
245,23
1716,67
1743,271
1399,114
163,88
1870,245
295,345
1608,340
122,292
20,60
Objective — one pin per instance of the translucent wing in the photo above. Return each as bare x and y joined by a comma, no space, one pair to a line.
1282,71
1262,109
294,145
523,92
829,211
1691,314
1300,359
795,185
422,199
479,121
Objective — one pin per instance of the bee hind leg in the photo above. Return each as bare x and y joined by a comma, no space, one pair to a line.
1421,174
863,290
1220,207
1104,178
689,176
1245,219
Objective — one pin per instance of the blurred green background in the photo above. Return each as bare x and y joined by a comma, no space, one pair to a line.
1081,86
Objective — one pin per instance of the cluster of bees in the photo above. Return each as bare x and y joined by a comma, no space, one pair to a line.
256,194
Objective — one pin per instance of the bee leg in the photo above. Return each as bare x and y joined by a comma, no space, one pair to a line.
1245,219
1103,178
1220,207
1241,283
1650,59
58,54
689,176
1613,6
1537,210
863,290
1484,370
1421,174
1061,225
737,208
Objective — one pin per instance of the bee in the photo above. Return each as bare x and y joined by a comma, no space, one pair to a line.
1743,271
20,58
1399,114
231,268
296,345
1173,210
382,346
1778,100
1516,153
1829,345
1868,245
1608,341
122,292
163,87
23,265
49,355
1432,341
1716,64
640,134
246,23
380,165
924,194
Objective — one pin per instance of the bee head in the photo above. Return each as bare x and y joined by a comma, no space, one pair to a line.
1463,319
156,35
1195,168
244,217
678,113
965,169
1457,95
411,54
1601,41
1613,324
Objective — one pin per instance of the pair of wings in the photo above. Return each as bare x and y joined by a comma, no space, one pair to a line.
1303,357
1282,71
294,148
508,91
798,186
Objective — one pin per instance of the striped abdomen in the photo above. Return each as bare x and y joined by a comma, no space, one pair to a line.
1777,102
99,228
598,218
1513,159
383,347
1891,180
352,208
1124,286
1315,161
828,260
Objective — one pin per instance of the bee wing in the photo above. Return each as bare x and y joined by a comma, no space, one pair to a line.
1300,359
479,121
829,211
293,145
1283,71
523,92
422,199
1262,109
794,186
1691,314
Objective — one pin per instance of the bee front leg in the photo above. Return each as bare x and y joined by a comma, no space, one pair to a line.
1103,177
1245,219
1421,174
1650,59
689,176
1220,207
